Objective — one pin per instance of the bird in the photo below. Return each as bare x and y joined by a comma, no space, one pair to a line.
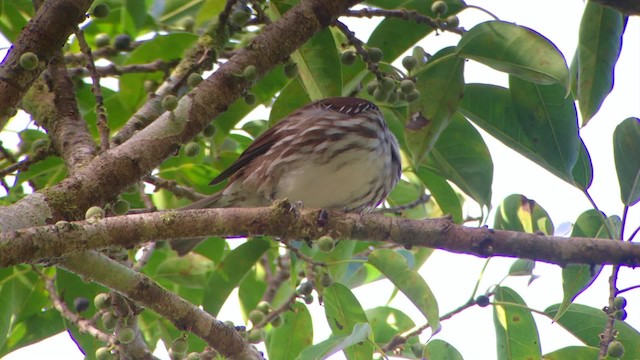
334,154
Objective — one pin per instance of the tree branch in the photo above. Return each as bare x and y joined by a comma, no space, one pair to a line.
49,242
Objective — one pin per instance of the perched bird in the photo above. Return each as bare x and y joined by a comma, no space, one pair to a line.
334,154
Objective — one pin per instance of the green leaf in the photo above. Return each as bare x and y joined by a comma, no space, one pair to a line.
516,332
441,84
343,312
210,10
394,267
573,352
599,46
586,323
516,50
387,322
230,272
440,349
360,333
517,213
251,289
137,10
461,156
490,107
444,194
626,152
549,120
294,335
522,267
15,15
292,97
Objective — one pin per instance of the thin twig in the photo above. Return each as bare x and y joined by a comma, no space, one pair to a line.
423,199
24,164
172,186
359,46
114,70
408,15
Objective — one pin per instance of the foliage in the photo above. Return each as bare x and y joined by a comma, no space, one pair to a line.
444,156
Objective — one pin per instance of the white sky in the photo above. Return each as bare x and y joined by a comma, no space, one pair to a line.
452,276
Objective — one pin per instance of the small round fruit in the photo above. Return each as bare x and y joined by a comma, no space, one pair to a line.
249,99
188,23
393,97
621,314
194,80
80,304
256,336
121,207
482,300
380,95
180,345
413,96
230,323
101,11
102,301
372,86
264,307
326,244
619,302
452,21
615,349
39,145
256,316
250,73
305,288
102,40
170,102
209,130
193,356
150,86
348,57
109,321
308,299
375,54
439,7
103,353
407,86
387,84
122,42
291,70
126,335
29,60
409,62
326,280
239,18
192,149
419,53
276,321
94,212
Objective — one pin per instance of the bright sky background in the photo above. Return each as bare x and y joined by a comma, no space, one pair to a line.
472,332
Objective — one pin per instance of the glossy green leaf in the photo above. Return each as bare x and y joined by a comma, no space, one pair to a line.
387,322
599,46
251,289
361,333
573,352
292,97
441,84
339,257
394,267
294,335
461,156
626,152
394,36
230,272
34,329
210,10
15,15
444,194
516,50
550,121
517,213
587,323
516,331
583,170
343,312
522,267
440,349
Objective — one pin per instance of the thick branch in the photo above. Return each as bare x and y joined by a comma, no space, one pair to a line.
49,242
46,33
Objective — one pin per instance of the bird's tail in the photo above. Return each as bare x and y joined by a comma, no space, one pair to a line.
184,246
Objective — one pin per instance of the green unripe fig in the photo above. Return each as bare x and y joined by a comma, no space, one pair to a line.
250,73
305,288
291,70
380,95
413,96
80,303
249,98
452,22
256,316
150,86
94,212
109,321
619,302
102,40
348,57
407,86
103,353
121,207
126,335
264,307
102,301
482,300
387,84
326,280
29,60
308,299
439,7
419,53
192,149
276,321
100,11
375,54
209,130
256,336
188,23
372,86
326,244
122,42
240,18
621,314
193,356
180,345
194,80
170,102
39,145
409,62
393,97
615,349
